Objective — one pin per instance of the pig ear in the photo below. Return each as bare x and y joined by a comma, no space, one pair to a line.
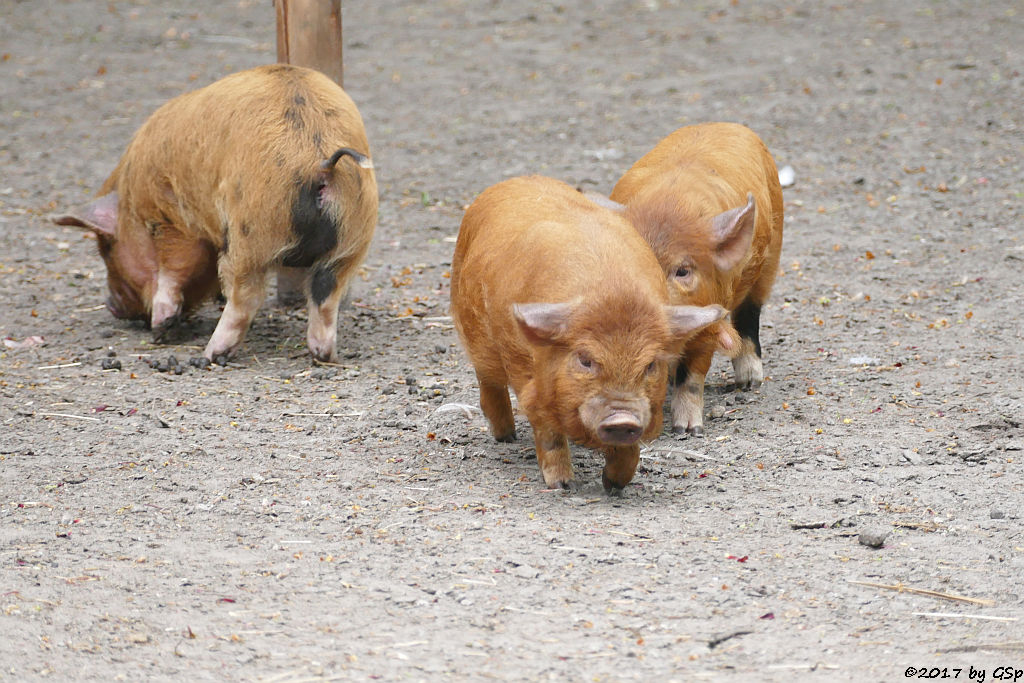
542,323
733,232
99,216
684,321
605,202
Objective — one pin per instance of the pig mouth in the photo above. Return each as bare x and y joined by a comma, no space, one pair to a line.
621,428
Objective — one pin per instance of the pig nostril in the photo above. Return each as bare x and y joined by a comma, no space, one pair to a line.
620,432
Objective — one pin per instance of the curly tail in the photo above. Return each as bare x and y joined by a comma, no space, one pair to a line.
361,159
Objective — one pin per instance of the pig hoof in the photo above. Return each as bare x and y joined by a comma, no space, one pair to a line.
612,488
696,430
164,326
506,438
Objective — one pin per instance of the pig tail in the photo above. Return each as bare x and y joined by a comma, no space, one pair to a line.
361,159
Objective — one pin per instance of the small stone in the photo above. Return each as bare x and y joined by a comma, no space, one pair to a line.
864,360
199,362
873,537
525,571
110,364
410,381
717,411
997,514
171,361
438,348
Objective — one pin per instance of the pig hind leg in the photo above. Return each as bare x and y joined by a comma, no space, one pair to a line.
327,286
245,293
688,393
497,408
747,366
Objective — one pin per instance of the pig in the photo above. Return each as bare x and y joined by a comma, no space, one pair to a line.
707,199
266,168
562,300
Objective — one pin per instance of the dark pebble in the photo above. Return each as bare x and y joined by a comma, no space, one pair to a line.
199,362
222,359
171,361
388,390
178,369
110,364
162,366
111,353
996,514
440,349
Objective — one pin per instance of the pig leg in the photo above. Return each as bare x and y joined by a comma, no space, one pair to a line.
619,466
244,294
688,393
497,408
166,302
290,284
553,457
747,366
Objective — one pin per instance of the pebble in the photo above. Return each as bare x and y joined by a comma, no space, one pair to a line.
873,537
787,176
717,412
864,360
997,514
110,364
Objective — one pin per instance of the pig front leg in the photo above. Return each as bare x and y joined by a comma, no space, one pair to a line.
688,393
619,466
166,308
245,293
290,285
553,457
747,367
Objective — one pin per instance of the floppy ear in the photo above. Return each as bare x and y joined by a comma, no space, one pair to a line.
733,232
542,323
99,216
684,321
602,201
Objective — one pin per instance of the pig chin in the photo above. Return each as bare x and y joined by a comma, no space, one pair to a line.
615,422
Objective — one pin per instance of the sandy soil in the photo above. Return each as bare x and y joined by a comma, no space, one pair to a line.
276,521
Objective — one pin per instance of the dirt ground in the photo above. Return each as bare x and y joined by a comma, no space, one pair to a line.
276,521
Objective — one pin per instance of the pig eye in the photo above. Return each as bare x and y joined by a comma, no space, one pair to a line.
652,368
682,271
586,362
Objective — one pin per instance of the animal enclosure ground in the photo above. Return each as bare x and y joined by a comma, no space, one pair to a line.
274,520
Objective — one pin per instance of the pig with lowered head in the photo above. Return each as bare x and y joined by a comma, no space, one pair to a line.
561,299
707,199
266,168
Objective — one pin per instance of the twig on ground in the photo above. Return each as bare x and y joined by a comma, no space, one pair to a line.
900,588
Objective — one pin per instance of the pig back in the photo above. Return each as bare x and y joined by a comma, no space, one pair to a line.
230,160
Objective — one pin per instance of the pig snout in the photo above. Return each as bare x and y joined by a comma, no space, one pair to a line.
621,428
616,420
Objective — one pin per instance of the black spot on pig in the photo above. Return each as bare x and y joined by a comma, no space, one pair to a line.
315,231
322,282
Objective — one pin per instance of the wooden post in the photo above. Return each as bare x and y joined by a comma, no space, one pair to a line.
308,34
